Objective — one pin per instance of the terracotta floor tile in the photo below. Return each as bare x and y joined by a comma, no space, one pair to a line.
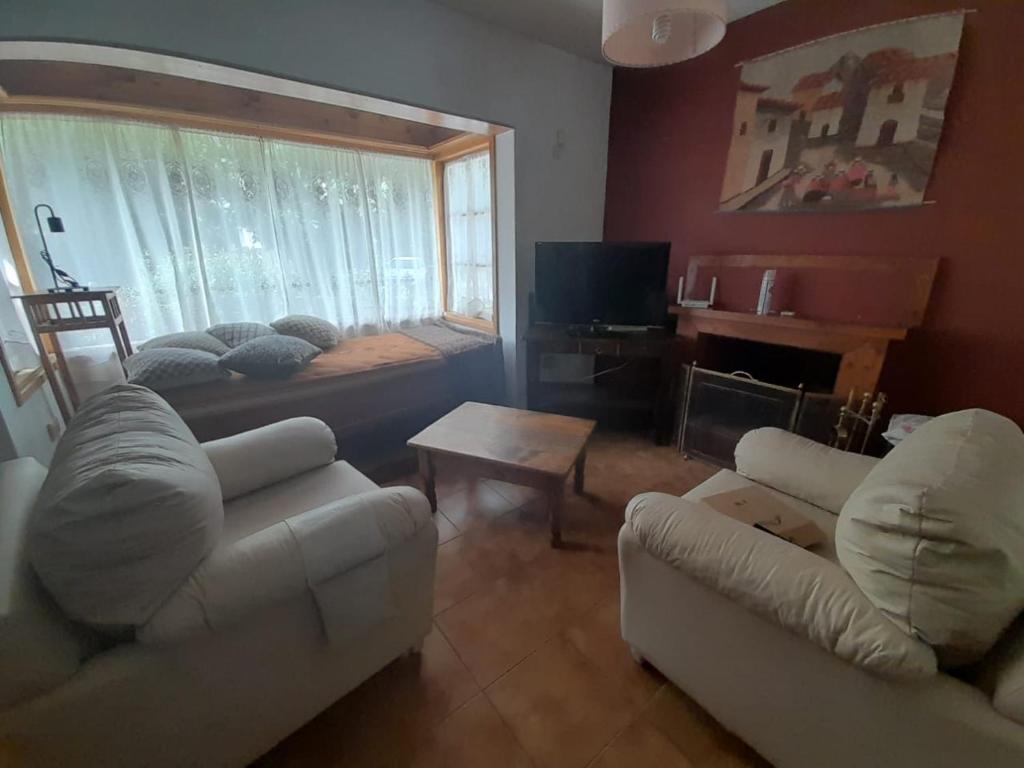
473,736
641,745
497,627
445,530
473,504
517,494
596,635
381,722
693,731
475,560
540,626
562,710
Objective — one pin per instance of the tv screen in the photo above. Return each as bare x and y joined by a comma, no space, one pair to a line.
601,283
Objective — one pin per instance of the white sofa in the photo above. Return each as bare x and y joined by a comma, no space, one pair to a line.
781,646
251,646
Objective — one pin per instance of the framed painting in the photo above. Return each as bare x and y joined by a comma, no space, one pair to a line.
851,121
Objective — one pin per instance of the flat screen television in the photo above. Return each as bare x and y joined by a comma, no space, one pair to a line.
603,284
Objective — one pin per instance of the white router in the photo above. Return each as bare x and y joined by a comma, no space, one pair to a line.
696,303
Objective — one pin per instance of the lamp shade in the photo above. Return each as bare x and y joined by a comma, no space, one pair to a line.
652,33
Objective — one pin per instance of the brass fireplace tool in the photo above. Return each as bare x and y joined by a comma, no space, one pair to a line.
860,420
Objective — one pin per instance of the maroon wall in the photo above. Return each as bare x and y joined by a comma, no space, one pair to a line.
669,136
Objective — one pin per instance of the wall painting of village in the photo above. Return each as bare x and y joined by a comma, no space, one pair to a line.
848,122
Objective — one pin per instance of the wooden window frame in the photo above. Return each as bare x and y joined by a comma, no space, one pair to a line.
24,383
439,154
451,150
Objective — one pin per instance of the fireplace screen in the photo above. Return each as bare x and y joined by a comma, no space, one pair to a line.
719,408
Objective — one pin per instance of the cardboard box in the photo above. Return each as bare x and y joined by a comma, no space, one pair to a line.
757,507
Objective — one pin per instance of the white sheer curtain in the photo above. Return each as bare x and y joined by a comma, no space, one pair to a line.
467,190
199,228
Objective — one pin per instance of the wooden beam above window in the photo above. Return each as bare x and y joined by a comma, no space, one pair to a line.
164,92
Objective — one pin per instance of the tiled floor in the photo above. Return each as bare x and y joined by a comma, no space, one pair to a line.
525,665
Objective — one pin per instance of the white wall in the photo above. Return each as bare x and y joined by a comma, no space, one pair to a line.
412,51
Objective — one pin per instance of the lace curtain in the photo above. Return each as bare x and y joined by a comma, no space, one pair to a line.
467,189
200,228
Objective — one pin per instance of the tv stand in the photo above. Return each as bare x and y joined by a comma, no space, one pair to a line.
633,384
610,331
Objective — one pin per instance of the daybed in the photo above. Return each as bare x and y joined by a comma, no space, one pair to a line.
357,388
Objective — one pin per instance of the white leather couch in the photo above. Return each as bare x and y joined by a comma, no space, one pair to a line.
781,645
251,645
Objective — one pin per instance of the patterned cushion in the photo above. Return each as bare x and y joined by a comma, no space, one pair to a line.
234,334
164,369
188,340
313,329
270,357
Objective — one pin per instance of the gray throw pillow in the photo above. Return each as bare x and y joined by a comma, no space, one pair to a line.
270,357
164,369
188,340
130,507
315,330
234,334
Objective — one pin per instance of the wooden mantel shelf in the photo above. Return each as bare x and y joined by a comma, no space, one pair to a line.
862,347
823,335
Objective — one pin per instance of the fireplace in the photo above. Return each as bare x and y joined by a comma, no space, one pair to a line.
790,371
717,408
736,385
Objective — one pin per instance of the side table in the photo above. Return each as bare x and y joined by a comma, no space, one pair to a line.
52,313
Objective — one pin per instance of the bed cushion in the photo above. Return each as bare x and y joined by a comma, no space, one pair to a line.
235,334
934,536
200,340
270,357
315,330
130,507
168,368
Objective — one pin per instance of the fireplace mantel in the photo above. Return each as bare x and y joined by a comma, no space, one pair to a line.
862,347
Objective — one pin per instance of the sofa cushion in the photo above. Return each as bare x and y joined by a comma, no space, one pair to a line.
306,548
164,369
130,507
781,582
799,467
934,536
234,334
200,340
315,330
270,357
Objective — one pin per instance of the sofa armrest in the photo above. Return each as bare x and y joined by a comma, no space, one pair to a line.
260,457
798,590
811,471
271,565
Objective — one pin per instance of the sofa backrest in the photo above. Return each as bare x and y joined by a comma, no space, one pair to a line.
130,507
39,647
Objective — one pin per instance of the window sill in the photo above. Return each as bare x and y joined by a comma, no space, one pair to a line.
476,323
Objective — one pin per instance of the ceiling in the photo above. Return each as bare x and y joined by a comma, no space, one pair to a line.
572,25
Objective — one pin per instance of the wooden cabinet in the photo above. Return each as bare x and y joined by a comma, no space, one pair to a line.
634,379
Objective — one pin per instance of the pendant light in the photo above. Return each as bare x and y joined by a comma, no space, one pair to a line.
652,33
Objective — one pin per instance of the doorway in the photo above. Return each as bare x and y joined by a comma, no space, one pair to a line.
766,164
887,133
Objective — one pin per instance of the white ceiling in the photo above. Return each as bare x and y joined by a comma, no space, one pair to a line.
572,25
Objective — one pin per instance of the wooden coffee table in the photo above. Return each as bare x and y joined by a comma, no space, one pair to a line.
522,447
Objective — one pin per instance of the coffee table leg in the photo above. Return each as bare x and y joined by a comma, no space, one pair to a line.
555,514
428,473
581,465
